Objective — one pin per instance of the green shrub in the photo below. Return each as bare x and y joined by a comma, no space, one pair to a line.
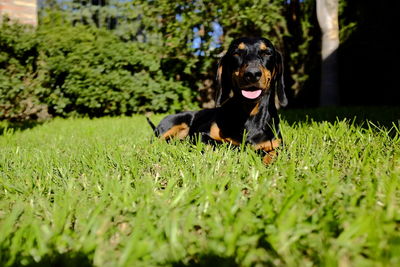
92,72
81,70
20,79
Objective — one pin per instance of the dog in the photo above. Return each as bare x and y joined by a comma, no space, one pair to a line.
250,91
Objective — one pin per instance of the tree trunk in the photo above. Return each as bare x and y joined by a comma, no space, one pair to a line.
327,14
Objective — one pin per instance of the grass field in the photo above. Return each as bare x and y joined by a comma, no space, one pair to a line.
81,192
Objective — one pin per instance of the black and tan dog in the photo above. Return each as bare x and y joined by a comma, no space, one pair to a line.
251,88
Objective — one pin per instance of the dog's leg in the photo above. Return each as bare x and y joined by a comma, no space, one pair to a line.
179,131
269,148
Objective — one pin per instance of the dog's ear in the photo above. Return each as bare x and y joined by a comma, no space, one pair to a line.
224,79
280,96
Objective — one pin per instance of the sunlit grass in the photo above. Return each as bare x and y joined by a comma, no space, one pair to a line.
98,192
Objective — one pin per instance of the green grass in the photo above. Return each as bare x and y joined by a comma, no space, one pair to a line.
83,192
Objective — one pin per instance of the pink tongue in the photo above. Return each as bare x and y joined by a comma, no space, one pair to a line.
251,94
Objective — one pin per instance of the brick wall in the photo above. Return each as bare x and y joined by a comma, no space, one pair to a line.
25,11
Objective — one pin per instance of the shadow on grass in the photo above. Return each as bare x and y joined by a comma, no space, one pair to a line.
384,116
208,260
271,258
78,259
17,126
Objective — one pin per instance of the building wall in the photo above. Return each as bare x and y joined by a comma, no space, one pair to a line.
25,11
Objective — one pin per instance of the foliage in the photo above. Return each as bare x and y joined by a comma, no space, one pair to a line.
92,72
20,76
347,21
105,196
81,70
302,38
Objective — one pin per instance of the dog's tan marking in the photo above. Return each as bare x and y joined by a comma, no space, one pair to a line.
255,110
269,157
266,78
237,75
219,73
242,46
263,46
273,72
215,133
232,141
268,146
177,131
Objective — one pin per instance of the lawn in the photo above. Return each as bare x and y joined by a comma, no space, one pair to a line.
82,192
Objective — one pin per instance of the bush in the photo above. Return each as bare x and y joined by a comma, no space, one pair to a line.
20,79
92,72
81,70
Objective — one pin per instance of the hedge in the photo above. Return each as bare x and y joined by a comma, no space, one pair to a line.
65,70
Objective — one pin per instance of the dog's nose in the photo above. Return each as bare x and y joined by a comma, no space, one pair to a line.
252,75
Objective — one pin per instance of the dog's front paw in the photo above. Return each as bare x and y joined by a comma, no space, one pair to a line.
270,157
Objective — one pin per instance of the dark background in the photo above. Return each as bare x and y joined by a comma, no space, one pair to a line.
368,59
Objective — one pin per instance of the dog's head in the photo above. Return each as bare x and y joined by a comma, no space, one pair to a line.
250,69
